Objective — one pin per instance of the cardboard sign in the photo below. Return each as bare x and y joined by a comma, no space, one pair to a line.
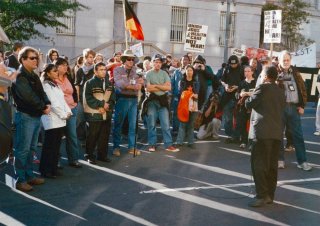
137,49
272,26
196,38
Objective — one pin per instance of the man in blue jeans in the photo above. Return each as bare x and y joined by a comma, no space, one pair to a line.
127,85
296,98
31,102
158,83
175,80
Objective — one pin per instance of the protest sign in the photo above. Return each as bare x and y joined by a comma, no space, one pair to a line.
272,26
196,38
137,49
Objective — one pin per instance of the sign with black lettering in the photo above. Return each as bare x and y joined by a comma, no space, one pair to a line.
196,38
272,26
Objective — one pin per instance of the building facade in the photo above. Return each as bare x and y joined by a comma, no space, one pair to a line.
164,23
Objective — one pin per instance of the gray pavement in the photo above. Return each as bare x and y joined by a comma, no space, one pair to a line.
208,185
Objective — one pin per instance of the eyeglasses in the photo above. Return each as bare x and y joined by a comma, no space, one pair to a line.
130,59
33,58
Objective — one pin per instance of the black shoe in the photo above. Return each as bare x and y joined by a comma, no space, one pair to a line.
191,146
268,200
258,202
92,161
105,159
75,164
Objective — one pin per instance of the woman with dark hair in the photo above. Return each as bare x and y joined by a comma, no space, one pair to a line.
186,129
53,123
245,90
71,98
52,55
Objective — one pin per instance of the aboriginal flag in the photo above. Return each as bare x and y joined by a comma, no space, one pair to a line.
132,22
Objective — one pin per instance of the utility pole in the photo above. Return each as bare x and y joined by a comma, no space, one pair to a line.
227,32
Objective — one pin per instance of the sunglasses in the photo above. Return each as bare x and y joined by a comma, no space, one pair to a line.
33,58
130,59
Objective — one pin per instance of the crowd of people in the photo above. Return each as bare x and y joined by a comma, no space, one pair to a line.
254,100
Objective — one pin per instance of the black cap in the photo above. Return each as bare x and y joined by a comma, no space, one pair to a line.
233,59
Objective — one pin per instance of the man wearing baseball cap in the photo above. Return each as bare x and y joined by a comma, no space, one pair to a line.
158,84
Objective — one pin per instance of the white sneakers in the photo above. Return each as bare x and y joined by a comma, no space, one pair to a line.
317,133
304,166
280,164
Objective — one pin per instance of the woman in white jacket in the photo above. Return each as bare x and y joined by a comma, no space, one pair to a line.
53,123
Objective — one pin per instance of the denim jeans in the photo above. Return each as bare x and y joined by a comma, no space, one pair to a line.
72,145
27,132
186,129
227,118
292,121
175,120
156,111
124,107
81,123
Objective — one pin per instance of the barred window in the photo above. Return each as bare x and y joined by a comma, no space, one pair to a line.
178,23
232,27
69,21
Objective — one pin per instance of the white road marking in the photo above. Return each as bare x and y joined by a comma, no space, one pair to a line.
8,220
192,198
126,215
47,204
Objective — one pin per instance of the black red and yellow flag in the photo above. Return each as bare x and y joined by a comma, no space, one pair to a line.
132,22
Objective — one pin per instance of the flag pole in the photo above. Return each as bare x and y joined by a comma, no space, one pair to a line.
125,24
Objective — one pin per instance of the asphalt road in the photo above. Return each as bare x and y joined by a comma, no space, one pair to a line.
208,185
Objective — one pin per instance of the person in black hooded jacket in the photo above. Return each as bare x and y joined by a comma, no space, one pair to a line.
230,80
205,76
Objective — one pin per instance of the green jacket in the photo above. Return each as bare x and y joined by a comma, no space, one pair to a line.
95,97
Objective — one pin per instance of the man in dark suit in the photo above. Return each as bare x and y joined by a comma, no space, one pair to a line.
267,103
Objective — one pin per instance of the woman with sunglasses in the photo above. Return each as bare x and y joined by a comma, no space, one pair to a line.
53,123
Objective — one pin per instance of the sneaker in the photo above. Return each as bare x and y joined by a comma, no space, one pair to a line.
131,151
172,149
39,144
317,133
280,164
289,148
35,158
304,166
152,149
25,187
116,152
243,146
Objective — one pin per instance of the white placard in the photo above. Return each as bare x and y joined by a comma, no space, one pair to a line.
137,49
196,38
305,57
272,26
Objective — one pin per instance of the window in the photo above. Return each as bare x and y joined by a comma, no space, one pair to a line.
69,21
232,28
178,23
